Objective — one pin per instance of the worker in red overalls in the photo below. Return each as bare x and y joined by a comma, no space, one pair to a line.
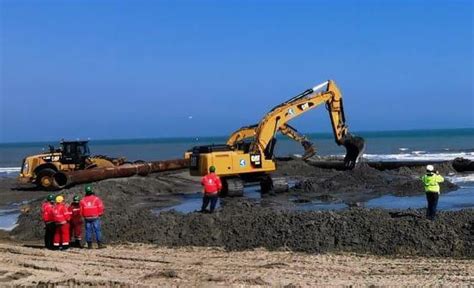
76,221
48,219
61,218
212,186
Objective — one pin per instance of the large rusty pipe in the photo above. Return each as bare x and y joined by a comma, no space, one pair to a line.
63,179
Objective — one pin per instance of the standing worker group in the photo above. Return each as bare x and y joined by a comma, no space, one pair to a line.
431,182
212,186
64,222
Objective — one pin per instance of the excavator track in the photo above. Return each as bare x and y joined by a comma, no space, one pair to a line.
232,187
271,184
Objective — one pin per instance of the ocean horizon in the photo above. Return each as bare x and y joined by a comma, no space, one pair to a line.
390,145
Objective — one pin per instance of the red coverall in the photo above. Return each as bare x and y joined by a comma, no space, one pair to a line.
61,218
212,185
47,212
76,221
48,219
91,207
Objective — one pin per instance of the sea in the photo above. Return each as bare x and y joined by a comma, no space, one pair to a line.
413,145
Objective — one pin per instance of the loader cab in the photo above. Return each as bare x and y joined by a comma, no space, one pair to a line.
74,152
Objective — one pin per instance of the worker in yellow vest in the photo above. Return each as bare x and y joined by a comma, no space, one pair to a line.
431,182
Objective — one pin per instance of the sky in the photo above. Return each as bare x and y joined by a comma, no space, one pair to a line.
148,69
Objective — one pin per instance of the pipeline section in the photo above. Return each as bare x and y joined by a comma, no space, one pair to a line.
64,179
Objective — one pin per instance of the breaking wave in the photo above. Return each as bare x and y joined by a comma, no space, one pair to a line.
419,156
9,170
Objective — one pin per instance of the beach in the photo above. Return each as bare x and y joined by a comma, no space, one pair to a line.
331,227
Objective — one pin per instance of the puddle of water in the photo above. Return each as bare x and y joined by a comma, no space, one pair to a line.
456,200
8,219
193,202
189,203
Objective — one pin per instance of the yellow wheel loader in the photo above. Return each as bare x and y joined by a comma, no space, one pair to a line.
72,155
239,162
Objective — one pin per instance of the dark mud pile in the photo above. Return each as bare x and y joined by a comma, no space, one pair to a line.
358,185
241,224
126,201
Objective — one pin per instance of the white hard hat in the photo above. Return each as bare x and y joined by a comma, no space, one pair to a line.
430,168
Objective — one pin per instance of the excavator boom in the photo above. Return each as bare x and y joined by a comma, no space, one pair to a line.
302,103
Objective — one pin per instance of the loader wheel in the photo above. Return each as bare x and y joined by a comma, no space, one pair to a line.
232,187
45,179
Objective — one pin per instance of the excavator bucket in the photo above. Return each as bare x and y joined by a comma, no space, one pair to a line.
355,147
309,150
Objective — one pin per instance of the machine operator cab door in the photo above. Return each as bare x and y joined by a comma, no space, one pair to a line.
75,152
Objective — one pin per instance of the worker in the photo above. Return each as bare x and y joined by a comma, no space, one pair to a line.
61,218
431,182
92,209
212,186
48,219
76,221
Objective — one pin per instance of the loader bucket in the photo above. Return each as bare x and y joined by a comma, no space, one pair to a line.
355,147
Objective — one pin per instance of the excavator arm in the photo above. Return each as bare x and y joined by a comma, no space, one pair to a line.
278,117
247,132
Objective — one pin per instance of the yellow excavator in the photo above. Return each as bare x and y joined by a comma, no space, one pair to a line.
39,169
238,162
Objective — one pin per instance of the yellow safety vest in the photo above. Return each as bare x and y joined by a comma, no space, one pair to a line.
431,182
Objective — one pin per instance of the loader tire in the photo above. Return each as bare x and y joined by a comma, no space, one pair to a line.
45,179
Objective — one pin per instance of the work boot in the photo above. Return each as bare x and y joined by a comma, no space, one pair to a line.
101,245
78,243
89,245
64,247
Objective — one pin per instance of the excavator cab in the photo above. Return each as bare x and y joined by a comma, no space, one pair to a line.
74,152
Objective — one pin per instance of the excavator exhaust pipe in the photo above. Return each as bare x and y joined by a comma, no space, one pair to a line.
355,147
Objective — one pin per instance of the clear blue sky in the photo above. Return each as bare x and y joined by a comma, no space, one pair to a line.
137,69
